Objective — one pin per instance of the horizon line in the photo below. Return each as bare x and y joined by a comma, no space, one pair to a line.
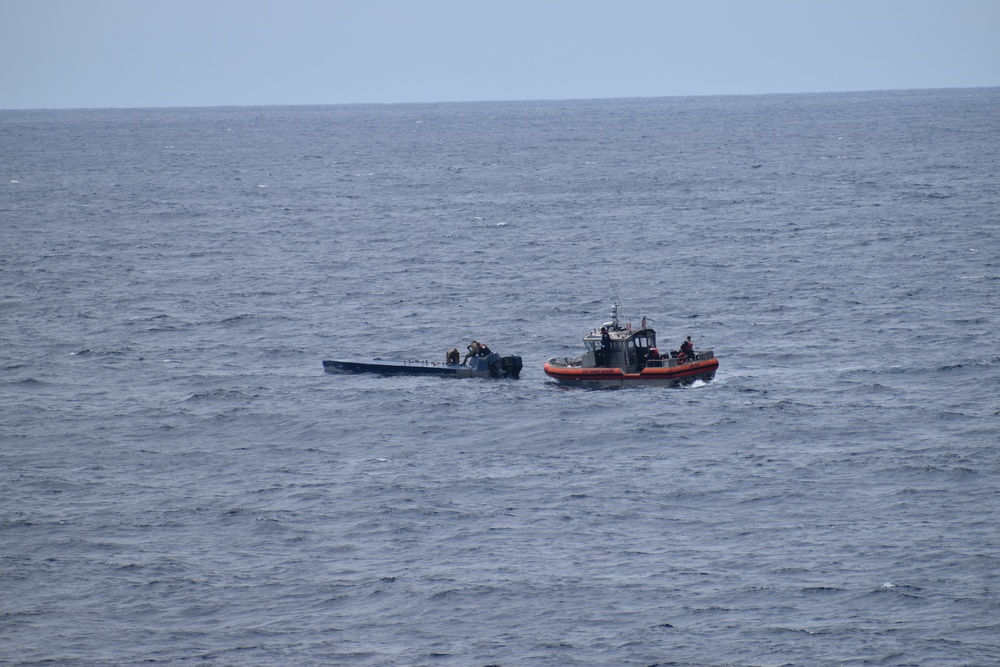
491,101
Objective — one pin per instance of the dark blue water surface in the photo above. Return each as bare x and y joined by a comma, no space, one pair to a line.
180,483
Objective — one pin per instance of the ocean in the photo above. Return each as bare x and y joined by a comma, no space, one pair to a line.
181,483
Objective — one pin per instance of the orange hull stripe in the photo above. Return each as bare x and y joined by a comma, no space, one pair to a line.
645,374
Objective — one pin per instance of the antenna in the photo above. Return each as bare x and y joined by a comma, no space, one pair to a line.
615,308
613,289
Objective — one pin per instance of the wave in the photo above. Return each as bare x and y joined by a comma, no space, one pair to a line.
219,395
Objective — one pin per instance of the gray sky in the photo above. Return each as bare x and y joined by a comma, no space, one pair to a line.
158,53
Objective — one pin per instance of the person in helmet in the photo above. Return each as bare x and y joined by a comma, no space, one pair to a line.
687,350
473,349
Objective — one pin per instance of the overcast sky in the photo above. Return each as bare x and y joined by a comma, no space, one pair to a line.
158,53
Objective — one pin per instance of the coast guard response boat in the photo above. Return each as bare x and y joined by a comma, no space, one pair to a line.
617,356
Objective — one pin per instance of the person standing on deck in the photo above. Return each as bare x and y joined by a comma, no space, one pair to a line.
687,349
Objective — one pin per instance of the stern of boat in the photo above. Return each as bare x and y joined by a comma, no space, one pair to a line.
511,366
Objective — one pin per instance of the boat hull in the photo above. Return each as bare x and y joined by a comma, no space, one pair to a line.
574,375
493,366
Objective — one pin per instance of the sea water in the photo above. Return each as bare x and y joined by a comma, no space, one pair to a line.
181,483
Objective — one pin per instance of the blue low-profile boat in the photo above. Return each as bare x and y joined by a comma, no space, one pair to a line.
490,366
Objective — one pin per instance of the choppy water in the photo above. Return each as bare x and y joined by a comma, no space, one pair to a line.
180,482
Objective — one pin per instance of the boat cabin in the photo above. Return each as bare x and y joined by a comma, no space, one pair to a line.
629,350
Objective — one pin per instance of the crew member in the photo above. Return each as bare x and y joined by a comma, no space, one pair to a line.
484,350
686,353
453,356
473,350
687,347
605,347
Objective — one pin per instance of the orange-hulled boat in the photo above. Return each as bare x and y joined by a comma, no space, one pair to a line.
617,356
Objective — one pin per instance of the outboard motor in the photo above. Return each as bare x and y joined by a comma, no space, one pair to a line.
511,366
494,364
502,367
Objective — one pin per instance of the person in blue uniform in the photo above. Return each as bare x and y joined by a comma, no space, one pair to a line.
605,347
